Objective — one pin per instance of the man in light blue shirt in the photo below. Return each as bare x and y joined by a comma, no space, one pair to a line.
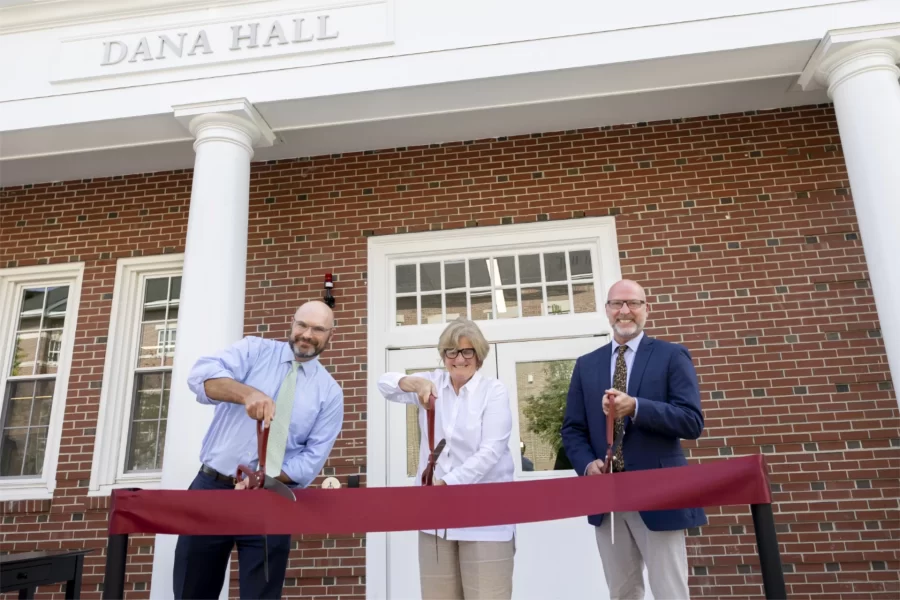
242,383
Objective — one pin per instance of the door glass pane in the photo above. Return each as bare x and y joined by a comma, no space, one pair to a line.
406,311
541,388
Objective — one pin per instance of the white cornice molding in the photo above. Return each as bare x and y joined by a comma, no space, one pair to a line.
814,74
47,14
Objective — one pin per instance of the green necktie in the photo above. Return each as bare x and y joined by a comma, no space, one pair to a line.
278,433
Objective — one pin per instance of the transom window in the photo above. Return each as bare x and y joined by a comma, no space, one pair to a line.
31,380
505,286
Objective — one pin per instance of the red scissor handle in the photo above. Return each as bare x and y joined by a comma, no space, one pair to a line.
256,479
428,473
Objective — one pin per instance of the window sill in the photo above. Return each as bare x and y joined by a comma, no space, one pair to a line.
20,491
143,483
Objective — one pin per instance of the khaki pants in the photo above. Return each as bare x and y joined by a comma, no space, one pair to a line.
663,552
465,570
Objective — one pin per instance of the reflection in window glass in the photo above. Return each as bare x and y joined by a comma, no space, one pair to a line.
479,276
558,300
529,269
28,395
454,275
456,305
542,388
406,278
482,306
507,303
406,311
585,302
150,393
532,301
430,277
431,309
555,266
505,270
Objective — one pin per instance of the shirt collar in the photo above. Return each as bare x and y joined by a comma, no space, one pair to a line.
287,356
470,384
632,343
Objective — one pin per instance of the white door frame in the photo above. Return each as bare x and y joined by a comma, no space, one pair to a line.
599,233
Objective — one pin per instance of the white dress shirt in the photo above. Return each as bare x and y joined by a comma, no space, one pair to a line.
476,425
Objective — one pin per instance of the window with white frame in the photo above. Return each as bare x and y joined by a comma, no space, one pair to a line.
134,403
38,313
508,285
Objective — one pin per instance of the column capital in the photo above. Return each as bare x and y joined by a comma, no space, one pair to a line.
844,53
235,121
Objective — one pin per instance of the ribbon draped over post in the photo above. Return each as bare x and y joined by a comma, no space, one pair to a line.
736,481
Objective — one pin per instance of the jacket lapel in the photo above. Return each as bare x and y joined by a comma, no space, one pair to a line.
641,358
603,368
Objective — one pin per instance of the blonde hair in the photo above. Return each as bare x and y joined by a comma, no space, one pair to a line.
464,328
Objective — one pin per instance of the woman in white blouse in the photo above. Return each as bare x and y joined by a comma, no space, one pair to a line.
472,415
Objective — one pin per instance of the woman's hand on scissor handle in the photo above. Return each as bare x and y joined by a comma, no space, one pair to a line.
423,388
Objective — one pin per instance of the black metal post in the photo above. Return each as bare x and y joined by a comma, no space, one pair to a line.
114,576
769,556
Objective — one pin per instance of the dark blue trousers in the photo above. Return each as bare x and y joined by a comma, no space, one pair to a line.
201,560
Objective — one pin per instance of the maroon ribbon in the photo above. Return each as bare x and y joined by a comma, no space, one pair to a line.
736,481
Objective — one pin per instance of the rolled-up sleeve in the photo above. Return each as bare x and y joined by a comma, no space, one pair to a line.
389,386
233,362
305,465
496,428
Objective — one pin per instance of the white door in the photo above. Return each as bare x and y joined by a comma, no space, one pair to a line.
554,559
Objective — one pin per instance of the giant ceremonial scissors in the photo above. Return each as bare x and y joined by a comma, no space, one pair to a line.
259,480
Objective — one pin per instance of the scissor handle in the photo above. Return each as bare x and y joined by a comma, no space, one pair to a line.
255,479
262,443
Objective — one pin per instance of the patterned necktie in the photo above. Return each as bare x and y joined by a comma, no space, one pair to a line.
278,433
620,382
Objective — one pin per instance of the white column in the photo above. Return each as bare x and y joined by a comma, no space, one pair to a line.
211,312
862,81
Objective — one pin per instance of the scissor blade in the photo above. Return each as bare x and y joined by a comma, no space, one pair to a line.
438,449
279,488
615,448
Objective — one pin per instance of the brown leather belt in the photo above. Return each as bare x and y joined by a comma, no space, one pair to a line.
218,476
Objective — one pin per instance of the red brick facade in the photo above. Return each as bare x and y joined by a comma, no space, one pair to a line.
741,227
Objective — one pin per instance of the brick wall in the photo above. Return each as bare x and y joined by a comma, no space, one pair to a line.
740,226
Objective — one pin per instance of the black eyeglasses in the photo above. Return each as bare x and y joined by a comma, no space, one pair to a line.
632,304
454,352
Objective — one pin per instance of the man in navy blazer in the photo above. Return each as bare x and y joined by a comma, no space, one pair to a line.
658,404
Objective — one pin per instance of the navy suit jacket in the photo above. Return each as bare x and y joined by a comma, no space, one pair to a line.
664,381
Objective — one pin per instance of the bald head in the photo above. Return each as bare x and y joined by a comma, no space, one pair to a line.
315,312
311,330
626,309
626,287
